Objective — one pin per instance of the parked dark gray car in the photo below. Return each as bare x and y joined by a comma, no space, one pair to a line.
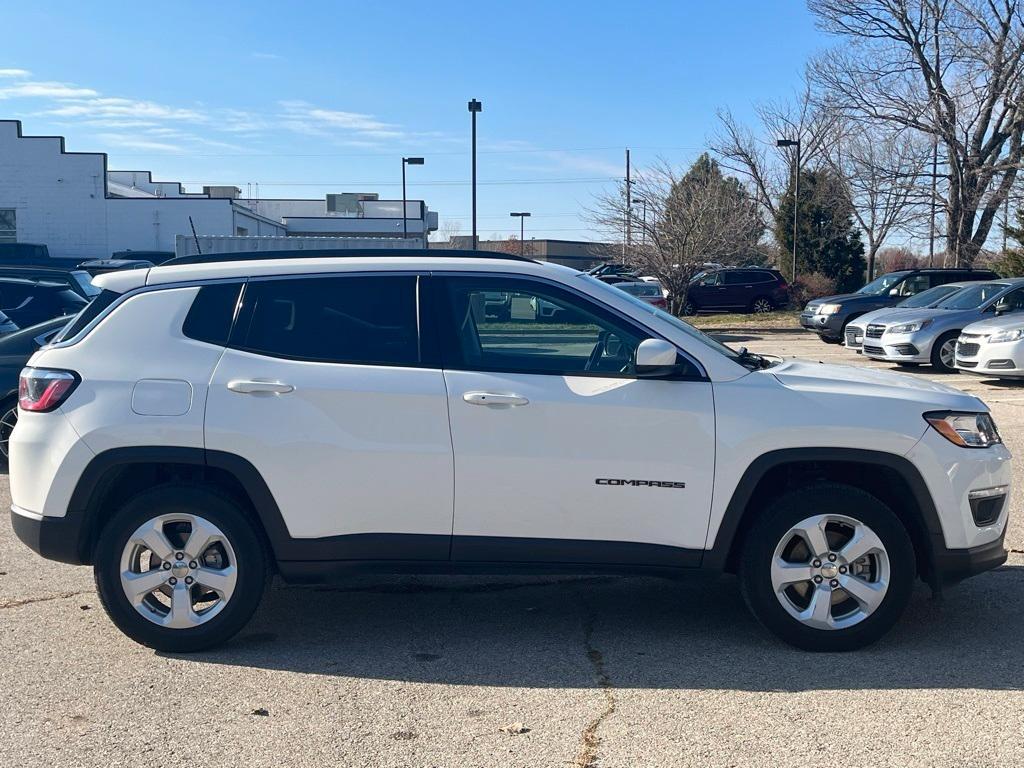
829,315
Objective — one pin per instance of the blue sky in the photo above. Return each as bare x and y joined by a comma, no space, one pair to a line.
306,98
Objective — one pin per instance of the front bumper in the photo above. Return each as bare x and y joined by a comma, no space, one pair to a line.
853,338
898,348
1003,360
830,326
955,565
55,538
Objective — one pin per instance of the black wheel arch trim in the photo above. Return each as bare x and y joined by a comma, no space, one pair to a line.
729,532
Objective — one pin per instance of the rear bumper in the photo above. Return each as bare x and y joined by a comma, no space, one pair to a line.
955,565
55,538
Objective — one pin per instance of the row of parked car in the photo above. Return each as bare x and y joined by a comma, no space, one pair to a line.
953,320
37,297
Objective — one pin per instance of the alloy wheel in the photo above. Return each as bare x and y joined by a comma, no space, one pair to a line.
947,354
761,306
830,572
178,570
7,424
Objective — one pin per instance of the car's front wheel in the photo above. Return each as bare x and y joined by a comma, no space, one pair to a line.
944,352
179,568
828,568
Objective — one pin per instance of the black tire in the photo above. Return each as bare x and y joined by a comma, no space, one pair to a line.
237,526
936,357
784,513
830,340
8,406
761,305
689,309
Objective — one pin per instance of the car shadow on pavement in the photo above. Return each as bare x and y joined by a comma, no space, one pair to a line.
648,633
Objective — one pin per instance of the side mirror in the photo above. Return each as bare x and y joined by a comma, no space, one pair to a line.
894,291
655,358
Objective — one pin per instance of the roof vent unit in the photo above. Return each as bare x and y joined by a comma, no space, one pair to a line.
231,193
348,202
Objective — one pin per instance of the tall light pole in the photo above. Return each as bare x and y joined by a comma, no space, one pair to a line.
796,192
521,215
643,234
474,107
405,219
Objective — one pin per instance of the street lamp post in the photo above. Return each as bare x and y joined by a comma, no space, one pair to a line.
521,215
796,192
643,220
474,107
405,219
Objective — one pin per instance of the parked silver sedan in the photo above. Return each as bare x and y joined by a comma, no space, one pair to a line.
929,335
854,336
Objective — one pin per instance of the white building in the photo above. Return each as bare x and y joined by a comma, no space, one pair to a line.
71,202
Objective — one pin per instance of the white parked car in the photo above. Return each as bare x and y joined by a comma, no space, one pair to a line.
993,347
205,423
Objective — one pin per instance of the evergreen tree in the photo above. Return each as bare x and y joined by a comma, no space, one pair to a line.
1011,263
827,241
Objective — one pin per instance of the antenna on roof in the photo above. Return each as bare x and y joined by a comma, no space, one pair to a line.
195,236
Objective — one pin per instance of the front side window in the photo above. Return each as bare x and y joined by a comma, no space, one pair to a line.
883,284
547,330
8,225
369,320
972,296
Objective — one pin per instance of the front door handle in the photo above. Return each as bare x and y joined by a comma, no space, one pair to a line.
253,387
494,399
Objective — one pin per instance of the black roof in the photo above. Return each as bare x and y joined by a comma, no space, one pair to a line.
437,253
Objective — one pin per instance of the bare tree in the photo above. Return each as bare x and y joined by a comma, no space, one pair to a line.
950,69
757,158
884,172
692,218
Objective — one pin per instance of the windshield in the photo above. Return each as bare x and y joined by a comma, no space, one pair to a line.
972,296
83,280
929,297
650,309
881,285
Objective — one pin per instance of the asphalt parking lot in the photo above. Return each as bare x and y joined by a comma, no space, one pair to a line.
596,671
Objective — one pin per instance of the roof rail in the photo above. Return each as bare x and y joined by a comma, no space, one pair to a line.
437,253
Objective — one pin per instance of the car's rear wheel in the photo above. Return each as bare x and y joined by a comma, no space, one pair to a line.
944,352
8,420
833,579
179,568
689,309
761,305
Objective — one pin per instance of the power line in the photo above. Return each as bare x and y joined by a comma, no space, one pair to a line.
392,154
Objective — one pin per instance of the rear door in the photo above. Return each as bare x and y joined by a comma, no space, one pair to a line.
561,453
328,391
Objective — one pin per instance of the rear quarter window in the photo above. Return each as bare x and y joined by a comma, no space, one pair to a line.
212,313
91,311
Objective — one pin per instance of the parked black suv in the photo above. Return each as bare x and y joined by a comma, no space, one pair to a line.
829,315
28,302
743,289
78,280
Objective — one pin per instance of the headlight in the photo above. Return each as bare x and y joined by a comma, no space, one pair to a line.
829,309
909,327
968,430
1014,334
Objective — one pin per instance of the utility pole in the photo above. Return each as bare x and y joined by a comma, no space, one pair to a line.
629,210
796,193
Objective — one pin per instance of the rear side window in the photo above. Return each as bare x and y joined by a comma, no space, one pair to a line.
370,320
212,313
92,310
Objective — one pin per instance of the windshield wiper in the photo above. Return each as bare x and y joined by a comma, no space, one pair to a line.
757,361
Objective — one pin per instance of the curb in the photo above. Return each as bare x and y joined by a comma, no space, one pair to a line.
746,329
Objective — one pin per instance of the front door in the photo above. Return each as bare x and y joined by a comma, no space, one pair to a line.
561,453
324,389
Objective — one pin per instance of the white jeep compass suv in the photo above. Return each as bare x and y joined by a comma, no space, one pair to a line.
204,424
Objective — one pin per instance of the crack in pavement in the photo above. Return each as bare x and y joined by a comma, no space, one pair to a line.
586,756
44,598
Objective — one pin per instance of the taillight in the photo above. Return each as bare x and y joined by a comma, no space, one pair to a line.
660,303
43,389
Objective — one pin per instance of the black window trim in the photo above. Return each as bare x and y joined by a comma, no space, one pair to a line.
428,360
439,300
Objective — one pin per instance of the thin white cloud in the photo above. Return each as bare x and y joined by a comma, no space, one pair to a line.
106,107
319,116
269,56
133,141
45,90
14,73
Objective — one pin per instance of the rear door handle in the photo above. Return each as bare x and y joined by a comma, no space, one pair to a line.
494,399
252,387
